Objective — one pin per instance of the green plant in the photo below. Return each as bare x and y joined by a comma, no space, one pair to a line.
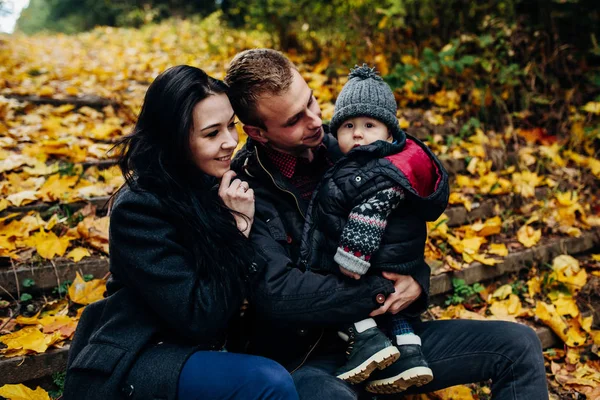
25,297
27,283
62,289
59,380
463,292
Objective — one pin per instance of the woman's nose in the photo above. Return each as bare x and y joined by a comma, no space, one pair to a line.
230,142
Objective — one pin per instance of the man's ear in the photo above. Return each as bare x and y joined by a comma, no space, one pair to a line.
255,133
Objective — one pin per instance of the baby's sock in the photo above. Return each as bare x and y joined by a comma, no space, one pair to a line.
404,332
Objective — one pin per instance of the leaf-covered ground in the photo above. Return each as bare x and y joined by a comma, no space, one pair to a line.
55,161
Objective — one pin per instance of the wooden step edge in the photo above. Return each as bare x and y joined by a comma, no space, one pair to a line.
49,276
101,203
87,100
514,262
22,369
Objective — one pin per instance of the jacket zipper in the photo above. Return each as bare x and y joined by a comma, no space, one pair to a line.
331,170
302,261
279,187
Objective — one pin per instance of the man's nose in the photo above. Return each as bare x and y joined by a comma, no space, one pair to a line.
315,119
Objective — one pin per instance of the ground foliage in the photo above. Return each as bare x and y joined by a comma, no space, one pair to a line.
536,160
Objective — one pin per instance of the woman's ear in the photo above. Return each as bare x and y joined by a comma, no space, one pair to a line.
255,133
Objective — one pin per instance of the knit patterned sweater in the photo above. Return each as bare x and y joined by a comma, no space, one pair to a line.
364,230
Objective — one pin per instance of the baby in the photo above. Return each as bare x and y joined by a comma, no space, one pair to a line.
370,210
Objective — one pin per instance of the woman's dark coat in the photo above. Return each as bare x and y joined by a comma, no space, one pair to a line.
158,310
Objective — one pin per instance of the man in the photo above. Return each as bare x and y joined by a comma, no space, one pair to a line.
298,311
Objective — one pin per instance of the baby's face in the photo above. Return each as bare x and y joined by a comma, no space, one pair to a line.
360,131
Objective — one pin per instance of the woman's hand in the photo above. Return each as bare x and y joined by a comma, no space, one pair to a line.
407,290
238,197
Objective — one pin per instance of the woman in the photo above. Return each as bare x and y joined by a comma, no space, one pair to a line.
180,260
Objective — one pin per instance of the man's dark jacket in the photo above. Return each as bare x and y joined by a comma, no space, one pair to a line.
157,313
361,174
297,308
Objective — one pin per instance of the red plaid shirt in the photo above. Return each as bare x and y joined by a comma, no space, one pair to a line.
304,175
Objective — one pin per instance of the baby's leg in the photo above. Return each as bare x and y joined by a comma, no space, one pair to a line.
410,369
403,332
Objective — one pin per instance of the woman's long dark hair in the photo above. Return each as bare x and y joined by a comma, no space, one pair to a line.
156,157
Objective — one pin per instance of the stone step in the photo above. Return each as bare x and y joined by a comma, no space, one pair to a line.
50,275
514,262
101,204
87,100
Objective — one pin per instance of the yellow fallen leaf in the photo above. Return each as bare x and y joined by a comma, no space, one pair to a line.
592,107
498,249
82,292
566,306
57,187
568,271
566,264
22,392
22,198
455,393
460,312
459,198
491,226
596,257
404,124
48,244
78,253
485,260
28,339
511,307
3,204
435,119
502,292
571,335
528,236
534,286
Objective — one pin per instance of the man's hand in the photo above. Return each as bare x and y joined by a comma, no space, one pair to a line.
407,291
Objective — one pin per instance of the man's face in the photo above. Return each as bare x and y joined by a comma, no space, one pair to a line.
292,119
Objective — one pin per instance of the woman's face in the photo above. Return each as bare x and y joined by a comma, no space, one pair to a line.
213,137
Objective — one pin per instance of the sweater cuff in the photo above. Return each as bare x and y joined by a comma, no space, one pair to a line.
350,262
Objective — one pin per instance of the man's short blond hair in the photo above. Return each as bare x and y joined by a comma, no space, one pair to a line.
255,73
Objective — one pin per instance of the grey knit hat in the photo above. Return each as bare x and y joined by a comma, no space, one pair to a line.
366,95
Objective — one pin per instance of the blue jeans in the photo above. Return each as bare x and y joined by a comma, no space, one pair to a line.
458,352
221,375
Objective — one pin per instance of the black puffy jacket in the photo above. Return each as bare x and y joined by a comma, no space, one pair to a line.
361,174
295,306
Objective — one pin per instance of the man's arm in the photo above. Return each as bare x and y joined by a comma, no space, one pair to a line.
285,292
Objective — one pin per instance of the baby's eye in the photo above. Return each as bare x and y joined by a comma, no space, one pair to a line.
370,125
348,125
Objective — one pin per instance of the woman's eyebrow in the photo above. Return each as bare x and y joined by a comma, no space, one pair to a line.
210,127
